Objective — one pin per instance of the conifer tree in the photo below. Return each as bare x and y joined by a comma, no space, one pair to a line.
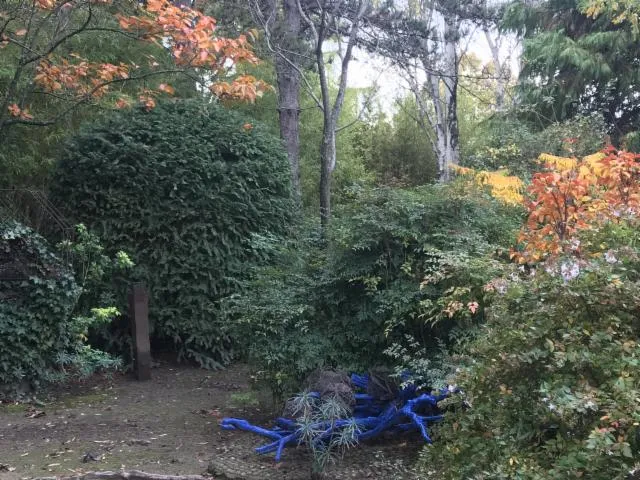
576,64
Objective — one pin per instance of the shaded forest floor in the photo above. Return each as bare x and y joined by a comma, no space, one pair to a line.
167,425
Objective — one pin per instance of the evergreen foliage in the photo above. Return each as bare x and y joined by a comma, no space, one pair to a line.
183,188
574,64
398,151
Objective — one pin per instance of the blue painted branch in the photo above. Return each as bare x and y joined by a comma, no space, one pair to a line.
371,419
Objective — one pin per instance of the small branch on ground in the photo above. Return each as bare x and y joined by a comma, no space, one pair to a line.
132,475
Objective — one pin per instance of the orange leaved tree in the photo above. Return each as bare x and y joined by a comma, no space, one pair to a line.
56,55
574,195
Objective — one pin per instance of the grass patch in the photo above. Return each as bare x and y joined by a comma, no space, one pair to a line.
12,407
76,400
244,399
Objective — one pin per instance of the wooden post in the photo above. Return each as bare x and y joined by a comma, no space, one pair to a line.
139,312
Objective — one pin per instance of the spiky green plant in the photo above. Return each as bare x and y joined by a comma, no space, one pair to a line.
317,420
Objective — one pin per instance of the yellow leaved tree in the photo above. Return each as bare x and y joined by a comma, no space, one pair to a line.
504,187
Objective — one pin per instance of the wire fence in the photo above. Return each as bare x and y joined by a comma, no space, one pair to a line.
33,209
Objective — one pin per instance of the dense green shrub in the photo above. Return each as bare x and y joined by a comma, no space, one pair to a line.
551,384
182,188
398,150
105,285
40,337
344,302
506,142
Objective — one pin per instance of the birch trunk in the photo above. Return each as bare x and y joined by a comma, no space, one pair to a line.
442,86
451,154
501,73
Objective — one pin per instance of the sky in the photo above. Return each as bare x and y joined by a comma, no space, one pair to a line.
367,70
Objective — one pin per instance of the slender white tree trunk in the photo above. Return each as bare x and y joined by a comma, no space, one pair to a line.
442,86
500,67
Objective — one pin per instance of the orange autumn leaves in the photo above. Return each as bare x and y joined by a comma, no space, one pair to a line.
577,195
17,112
569,196
193,41
189,35
84,78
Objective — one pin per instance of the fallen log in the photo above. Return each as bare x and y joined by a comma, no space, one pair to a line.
131,475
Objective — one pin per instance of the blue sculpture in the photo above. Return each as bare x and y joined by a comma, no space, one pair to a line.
371,418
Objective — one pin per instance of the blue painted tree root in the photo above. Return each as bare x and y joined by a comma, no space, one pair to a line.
370,417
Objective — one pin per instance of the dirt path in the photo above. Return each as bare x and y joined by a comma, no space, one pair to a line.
167,425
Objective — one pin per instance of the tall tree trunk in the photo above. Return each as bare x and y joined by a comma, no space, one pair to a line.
443,90
331,109
451,155
327,165
288,79
438,123
501,73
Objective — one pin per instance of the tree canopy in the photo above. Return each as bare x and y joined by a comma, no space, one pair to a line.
53,60
574,64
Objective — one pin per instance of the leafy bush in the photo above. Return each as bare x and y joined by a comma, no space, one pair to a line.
182,188
40,338
343,303
551,388
273,317
105,283
506,142
550,380
397,150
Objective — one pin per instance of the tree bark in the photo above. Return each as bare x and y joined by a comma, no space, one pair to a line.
439,123
451,154
288,79
327,165
442,86
501,72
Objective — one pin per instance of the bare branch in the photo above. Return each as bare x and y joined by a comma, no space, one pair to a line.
308,21
61,40
355,25
277,50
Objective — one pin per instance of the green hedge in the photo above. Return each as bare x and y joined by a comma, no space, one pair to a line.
182,188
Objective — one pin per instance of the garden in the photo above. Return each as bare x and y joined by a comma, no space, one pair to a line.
434,274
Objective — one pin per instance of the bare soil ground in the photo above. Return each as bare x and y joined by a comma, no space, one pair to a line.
166,425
